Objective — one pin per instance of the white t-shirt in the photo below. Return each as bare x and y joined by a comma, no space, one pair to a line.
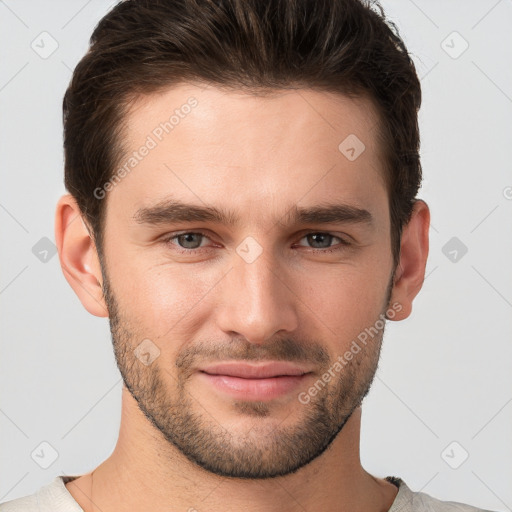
54,497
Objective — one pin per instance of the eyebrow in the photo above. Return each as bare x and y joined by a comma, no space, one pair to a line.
171,211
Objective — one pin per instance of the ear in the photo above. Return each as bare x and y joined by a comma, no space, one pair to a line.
410,272
78,256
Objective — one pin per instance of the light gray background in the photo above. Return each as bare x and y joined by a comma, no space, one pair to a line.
445,373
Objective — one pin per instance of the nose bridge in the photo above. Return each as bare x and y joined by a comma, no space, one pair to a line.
256,303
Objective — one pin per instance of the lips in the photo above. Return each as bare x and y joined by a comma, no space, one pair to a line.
261,382
255,371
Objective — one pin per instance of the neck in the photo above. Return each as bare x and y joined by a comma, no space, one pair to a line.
149,473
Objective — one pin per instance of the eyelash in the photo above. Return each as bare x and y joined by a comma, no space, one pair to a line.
168,241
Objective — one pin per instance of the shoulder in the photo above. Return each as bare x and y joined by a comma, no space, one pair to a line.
408,500
26,504
52,497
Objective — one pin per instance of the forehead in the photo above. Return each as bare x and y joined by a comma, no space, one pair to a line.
214,146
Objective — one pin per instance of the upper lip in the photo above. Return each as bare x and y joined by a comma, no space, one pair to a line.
255,371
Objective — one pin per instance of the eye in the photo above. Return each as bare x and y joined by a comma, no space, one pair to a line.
188,242
324,240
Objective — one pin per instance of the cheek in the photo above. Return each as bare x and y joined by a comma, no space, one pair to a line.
162,300
345,302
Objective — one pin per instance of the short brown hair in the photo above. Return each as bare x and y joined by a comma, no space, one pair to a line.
144,46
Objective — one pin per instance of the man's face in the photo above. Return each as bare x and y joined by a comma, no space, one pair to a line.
268,287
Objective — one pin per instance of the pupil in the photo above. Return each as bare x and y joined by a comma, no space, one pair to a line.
187,237
322,236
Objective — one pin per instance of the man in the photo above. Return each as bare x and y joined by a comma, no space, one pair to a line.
245,173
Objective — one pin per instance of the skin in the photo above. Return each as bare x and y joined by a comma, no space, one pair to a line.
182,444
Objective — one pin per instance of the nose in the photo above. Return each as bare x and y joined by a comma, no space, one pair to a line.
257,300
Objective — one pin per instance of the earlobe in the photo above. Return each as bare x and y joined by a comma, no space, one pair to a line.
78,256
414,247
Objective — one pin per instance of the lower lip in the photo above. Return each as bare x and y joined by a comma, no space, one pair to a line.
254,389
